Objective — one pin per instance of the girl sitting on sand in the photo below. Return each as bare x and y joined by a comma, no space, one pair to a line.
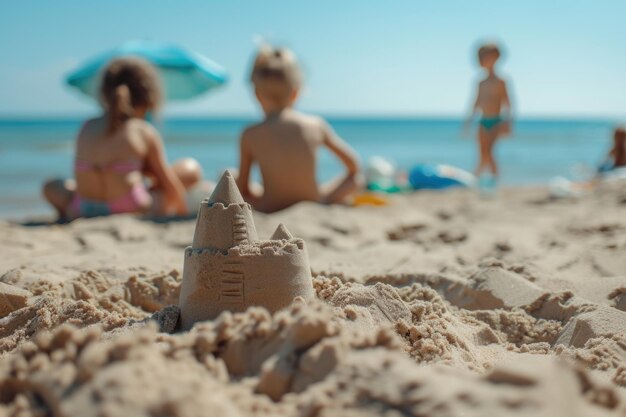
116,150
286,143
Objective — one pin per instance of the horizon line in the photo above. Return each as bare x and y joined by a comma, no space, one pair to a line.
332,115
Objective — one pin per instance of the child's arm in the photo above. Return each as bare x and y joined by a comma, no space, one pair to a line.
506,102
342,150
475,107
245,164
507,127
342,187
173,189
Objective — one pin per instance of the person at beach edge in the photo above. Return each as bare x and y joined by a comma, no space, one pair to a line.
616,158
116,152
285,143
493,103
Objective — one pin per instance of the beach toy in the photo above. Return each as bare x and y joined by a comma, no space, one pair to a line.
369,199
380,171
228,268
185,74
561,187
382,175
439,176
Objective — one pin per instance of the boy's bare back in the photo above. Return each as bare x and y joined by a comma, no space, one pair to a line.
285,147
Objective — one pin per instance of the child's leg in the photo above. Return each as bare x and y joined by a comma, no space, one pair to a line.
339,188
482,151
59,193
486,140
493,167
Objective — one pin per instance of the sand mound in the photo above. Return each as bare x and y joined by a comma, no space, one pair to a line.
603,321
306,360
345,352
12,298
607,354
91,298
494,287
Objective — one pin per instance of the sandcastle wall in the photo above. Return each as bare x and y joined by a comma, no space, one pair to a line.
268,273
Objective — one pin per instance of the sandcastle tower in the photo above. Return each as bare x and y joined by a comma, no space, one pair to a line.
229,268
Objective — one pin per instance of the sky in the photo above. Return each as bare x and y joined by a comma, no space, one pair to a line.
360,57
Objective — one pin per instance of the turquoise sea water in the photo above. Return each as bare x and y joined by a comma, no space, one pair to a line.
33,150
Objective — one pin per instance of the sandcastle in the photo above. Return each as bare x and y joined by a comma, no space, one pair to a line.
229,268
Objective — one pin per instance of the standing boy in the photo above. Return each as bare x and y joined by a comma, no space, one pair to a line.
492,101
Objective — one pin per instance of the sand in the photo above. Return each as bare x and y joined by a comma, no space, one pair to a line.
441,304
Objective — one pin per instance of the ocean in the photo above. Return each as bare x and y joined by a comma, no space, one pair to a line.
34,150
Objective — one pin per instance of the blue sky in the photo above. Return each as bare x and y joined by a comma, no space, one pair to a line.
360,57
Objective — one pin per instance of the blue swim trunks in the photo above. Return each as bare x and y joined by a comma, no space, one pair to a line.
489,123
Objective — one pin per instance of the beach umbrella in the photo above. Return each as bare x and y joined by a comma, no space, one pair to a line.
185,74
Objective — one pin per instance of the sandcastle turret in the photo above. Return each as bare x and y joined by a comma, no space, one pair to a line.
224,219
229,268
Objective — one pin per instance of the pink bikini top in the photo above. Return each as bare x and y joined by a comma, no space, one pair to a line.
118,167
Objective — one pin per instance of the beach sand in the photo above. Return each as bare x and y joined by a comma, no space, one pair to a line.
441,304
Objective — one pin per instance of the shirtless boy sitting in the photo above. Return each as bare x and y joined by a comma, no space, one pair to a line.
285,143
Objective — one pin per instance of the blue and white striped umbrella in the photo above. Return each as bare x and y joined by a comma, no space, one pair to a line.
185,74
